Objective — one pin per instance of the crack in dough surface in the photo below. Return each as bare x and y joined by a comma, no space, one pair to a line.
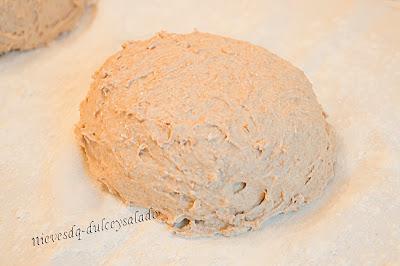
216,134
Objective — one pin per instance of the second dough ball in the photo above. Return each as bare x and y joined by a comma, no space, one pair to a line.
215,134
26,24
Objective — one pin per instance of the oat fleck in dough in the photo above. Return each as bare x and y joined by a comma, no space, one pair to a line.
26,24
216,134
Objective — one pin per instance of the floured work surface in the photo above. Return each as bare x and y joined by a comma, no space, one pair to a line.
349,50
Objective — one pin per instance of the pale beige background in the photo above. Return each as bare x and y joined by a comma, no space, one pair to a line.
350,50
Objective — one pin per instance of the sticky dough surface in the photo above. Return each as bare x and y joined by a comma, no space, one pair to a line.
26,24
216,134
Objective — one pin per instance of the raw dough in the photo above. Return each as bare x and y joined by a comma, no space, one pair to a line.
26,24
215,134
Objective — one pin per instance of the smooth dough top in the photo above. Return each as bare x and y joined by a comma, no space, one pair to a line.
26,24
215,134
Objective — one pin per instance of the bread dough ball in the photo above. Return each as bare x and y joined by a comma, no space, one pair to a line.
215,134
26,24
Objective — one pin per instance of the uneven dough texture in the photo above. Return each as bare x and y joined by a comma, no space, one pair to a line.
216,134
26,24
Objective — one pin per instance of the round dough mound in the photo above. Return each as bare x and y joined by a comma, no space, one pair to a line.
215,134
26,24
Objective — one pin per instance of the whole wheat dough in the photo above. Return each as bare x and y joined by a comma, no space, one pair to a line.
26,24
215,134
